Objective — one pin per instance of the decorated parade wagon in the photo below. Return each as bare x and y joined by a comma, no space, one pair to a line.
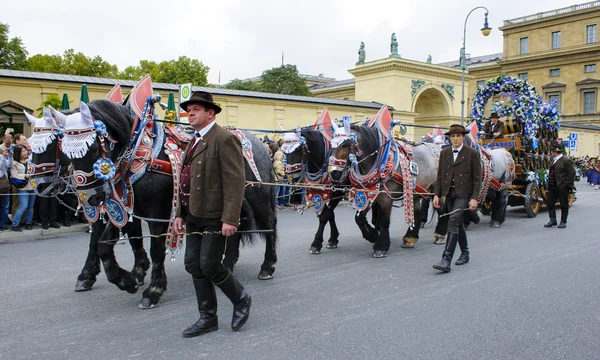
531,126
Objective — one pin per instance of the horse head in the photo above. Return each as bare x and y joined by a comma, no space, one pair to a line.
91,148
48,163
345,150
294,149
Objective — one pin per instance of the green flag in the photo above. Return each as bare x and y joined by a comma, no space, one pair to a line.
171,102
65,102
84,94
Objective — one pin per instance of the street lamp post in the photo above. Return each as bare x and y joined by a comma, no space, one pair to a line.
463,61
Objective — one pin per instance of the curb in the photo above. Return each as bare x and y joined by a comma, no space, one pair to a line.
38,233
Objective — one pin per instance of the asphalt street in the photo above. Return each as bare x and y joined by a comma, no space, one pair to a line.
528,293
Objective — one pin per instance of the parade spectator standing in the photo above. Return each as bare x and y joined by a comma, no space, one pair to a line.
5,188
494,128
282,191
25,193
457,186
561,181
7,141
212,191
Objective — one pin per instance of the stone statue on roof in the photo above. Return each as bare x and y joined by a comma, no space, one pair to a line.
361,53
429,59
394,45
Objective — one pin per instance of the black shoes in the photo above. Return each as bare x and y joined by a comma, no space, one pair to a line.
562,225
239,298
54,225
207,306
444,264
551,223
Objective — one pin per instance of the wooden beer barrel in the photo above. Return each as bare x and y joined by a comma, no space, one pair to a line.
512,126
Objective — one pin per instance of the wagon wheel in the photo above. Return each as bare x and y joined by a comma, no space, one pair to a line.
486,207
532,206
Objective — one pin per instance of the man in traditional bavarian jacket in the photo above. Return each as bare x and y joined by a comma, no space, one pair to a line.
561,181
212,191
456,190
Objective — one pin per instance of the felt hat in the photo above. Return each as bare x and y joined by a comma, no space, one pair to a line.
456,129
204,98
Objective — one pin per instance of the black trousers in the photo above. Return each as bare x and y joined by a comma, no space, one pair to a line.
456,206
48,209
560,193
204,253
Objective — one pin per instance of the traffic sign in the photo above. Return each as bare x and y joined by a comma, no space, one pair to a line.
565,143
573,145
573,136
347,118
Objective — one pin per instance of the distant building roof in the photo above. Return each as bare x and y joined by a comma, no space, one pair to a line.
474,60
316,78
580,126
175,87
561,11
332,84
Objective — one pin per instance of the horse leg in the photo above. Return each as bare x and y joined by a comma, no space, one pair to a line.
369,233
499,208
332,243
382,245
232,251
91,268
114,273
412,233
268,221
158,283
317,244
441,229
141,262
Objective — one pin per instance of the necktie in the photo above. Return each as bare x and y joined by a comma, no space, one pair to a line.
455,151
198,135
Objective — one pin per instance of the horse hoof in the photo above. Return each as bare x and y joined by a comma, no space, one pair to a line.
265,274
378,254
314,251
331,246
147,304
408,243
84,285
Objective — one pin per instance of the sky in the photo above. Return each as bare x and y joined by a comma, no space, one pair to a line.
241,39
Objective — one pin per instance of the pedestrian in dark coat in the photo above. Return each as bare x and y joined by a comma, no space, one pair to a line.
456,190
561,181
212,191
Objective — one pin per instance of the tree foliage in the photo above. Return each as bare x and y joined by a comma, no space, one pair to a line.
284,80
280,80
238,84
13,54
53,100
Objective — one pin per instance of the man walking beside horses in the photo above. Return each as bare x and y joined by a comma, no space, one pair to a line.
456,190
212,191
561,181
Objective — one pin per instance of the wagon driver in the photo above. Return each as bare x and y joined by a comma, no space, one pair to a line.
212,190
494,128
456,190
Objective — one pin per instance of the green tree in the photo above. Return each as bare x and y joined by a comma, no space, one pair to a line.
45,63
284,80
53,100
238,84
183,70
13,54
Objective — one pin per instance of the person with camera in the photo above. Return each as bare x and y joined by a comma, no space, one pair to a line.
20,179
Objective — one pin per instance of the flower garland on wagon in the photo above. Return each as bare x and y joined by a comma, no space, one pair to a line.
524,102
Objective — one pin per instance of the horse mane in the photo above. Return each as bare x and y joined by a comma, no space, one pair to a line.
368,138
116,117
316,145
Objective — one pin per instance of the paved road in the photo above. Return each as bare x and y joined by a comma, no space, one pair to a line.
528,293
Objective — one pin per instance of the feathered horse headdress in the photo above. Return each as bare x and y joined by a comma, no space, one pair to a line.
291,141
80,131
45,130
341,133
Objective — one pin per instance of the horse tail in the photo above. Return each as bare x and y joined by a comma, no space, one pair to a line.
247,222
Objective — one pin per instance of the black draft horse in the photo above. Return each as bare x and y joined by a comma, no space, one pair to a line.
310,159
119,121
52,182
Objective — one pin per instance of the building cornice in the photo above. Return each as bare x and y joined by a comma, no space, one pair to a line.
580,50
403,64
